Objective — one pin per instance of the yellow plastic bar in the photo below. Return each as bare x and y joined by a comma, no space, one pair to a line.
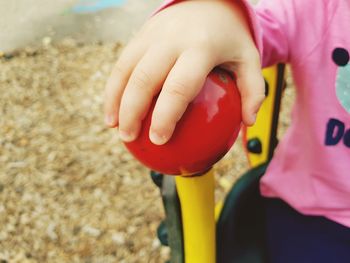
262,127
218,208
196,196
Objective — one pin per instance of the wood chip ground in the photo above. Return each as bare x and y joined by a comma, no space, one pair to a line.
69,192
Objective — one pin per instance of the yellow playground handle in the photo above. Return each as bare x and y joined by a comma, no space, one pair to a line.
265,128
196,193
196,196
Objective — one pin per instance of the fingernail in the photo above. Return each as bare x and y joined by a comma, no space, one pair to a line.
157,139
109,120
126,136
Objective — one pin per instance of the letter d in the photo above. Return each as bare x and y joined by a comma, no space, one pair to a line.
335,131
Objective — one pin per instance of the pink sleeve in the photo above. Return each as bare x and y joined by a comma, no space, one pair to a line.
291,29
271,22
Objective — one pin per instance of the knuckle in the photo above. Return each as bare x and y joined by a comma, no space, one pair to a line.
253,97
251,52
246,93
177,90
251,59
140,79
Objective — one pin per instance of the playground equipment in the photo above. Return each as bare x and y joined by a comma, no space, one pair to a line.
197,230
205,133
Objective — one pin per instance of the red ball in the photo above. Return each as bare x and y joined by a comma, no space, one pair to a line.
205,133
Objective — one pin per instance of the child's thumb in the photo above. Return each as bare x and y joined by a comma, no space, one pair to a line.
251,85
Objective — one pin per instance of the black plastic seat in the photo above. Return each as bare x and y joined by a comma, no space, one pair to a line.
240,229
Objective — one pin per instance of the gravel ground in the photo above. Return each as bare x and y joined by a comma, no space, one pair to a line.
69,192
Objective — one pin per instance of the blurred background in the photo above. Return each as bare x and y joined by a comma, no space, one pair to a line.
27,22
69,192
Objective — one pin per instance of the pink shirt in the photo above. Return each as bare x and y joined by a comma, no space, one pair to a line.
311,165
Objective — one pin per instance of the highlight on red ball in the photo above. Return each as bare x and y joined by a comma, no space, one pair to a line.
205,133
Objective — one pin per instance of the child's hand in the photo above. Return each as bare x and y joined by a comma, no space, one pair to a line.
176,49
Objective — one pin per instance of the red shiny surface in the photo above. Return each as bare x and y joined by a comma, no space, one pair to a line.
204,134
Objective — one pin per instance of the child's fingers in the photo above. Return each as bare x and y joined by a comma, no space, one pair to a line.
181,86
144,83
118,80
252,89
